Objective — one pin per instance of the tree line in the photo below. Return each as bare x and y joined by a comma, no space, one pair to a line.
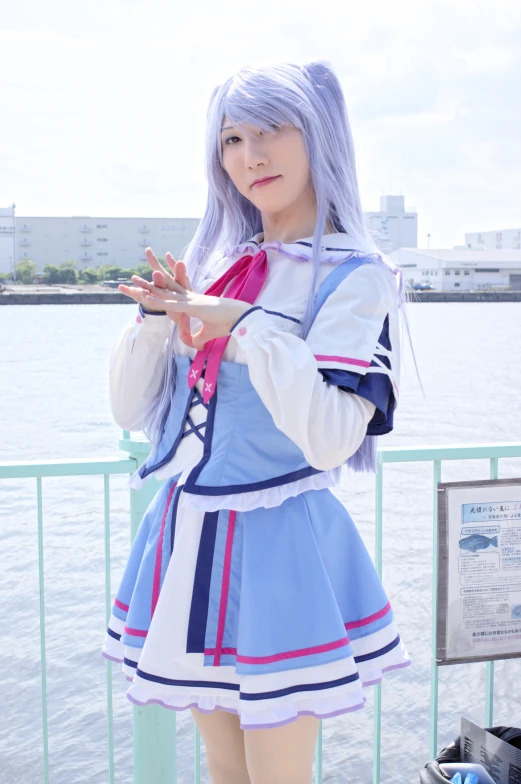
67,272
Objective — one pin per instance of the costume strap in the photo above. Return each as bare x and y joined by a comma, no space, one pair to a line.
245,279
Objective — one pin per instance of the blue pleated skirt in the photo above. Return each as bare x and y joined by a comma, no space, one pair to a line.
270,613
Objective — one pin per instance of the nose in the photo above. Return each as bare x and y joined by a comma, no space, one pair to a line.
254,152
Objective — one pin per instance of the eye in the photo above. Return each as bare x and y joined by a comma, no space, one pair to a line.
230,138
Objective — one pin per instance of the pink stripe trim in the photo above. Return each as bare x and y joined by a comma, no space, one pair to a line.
156,585
135,632
344,360
224,651
329,646
120,604
224,588
370,618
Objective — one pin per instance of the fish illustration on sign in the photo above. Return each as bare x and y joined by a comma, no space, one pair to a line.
477,542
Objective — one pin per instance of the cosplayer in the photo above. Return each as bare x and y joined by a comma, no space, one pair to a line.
258,367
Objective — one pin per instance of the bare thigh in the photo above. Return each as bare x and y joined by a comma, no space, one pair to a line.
224,743
282,755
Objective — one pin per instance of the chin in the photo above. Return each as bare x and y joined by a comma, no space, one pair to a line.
272,205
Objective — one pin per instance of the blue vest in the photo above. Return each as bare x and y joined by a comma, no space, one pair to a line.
243,448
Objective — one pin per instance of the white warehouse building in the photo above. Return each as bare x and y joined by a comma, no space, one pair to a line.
463,269
509,239
92,241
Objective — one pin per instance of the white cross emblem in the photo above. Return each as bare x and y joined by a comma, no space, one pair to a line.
208,387
193,373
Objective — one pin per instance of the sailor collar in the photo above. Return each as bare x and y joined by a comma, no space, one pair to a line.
335,247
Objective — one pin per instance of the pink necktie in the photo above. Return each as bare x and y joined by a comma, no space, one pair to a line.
247,275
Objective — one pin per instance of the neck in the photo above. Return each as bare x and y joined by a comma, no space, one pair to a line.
293,223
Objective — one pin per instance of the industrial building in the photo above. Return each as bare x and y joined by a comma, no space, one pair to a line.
505,239
96,241
464,269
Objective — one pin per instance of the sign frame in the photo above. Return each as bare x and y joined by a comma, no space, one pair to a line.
442,610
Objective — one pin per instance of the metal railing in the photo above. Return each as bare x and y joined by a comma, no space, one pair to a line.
155,756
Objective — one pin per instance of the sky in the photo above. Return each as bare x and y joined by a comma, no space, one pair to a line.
103,103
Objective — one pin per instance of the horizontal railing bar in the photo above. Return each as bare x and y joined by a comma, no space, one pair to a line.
402,454
23,469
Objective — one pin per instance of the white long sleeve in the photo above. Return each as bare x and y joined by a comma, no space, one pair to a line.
136,367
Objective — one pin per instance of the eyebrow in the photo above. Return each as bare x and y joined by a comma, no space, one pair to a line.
226,127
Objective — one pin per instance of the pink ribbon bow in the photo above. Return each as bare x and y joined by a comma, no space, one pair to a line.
248,275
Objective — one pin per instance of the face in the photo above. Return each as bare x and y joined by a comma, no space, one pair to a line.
250,154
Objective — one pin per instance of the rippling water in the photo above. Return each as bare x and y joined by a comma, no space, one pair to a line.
54,404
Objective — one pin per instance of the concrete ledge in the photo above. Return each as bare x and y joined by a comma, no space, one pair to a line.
60,298
466,296
117,298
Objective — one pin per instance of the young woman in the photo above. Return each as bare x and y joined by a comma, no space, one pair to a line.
257,373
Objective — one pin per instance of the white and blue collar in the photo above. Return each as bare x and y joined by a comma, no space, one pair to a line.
335,247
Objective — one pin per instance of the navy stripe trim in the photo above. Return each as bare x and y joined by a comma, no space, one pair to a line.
276,313
143,311
193,428
145,469
379,652
271,312
200,684
257,307
266,695
193,489
113,634
129,662
309,245
208,436
201,587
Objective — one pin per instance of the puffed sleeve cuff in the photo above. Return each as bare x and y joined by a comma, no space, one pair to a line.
144,312
249,324
152,321
375,387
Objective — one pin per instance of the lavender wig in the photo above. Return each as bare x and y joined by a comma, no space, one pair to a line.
308,97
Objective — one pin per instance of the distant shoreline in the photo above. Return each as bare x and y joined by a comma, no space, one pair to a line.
97,294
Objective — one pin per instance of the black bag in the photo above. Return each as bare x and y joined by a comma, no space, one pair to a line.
431,773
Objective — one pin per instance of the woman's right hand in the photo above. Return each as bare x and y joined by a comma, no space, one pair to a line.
177,281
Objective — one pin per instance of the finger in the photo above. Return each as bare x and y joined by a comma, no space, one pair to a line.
183,328
181,276
159,279
179,271
130,292
158,267
198,340
167,295
169,305
141,282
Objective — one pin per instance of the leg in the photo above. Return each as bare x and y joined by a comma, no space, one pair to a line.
224,743
282,755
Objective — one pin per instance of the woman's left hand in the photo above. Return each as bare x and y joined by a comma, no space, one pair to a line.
217,314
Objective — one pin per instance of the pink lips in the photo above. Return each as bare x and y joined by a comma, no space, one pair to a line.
266,181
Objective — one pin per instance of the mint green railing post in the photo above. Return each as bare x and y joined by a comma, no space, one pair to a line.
378,565
108,608
489,698
318,755
42,631
433,749
155,743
